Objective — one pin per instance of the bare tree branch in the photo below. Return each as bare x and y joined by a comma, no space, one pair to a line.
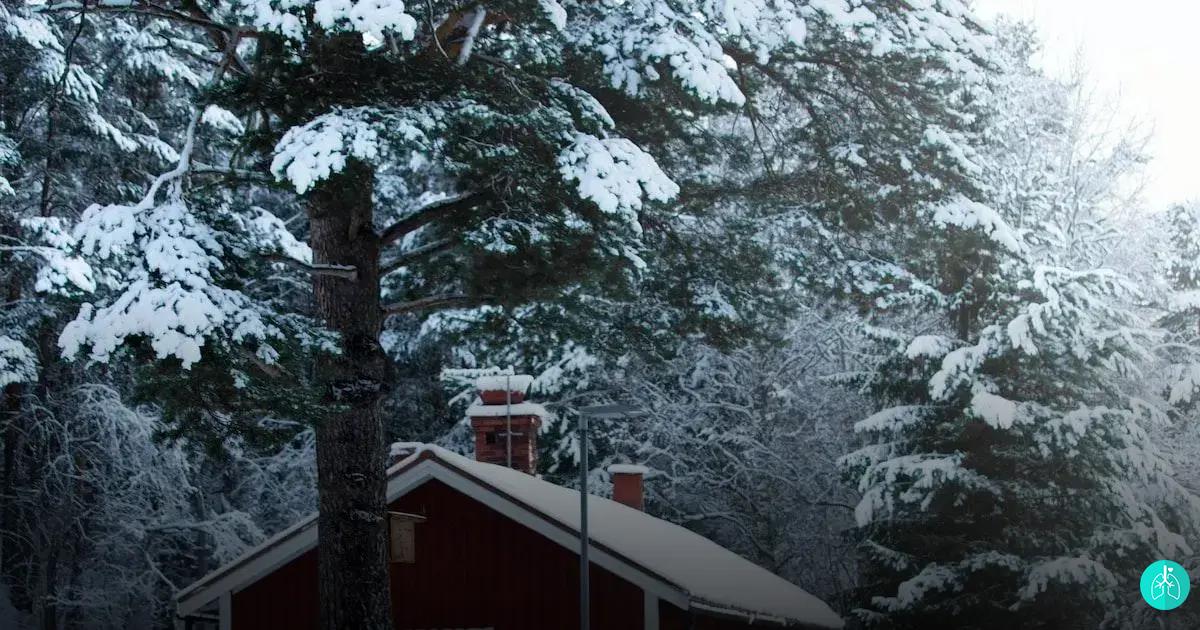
338,271
416,253
468,42
433,302
236,173
273,371
430,213
145,8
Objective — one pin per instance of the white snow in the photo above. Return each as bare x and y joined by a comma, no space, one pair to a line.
372,18
615,174
168,293
712,302
932,346
933,578
220,118
995,410
499,411
555,13
320,148
967,214
840,12
1184,386
628,469
18,364
891,419
1070,572
35,30
369,17
646,34
272,233
515,383
579,97
1184,300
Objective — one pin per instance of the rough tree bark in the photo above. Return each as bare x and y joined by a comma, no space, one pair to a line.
351,483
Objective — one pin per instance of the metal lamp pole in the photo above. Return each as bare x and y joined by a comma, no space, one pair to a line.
599,412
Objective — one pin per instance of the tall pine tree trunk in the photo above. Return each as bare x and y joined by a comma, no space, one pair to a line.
351,483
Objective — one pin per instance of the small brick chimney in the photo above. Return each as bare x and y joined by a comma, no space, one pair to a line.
627,484
505,425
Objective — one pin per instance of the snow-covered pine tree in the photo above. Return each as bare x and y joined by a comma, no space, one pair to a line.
848,131
1008,480
742,446
1176,235
1179,266
446,156
85,112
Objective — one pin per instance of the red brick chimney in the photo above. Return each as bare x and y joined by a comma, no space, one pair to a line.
505,425
627,484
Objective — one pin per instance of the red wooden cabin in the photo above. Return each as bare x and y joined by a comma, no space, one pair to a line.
497,549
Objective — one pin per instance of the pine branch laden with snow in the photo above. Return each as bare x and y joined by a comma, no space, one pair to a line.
373,18
969,215
615,174
168,287
608,171
321,148
690,38
18,364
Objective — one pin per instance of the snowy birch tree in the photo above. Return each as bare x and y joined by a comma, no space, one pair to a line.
742,446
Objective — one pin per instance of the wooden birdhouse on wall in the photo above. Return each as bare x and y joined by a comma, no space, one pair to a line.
402,537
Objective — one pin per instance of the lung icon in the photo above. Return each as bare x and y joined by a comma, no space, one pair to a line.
1166,585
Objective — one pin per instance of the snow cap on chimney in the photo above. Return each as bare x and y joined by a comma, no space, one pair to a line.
627,480
504,423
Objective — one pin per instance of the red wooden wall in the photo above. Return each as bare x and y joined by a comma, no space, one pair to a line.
475,568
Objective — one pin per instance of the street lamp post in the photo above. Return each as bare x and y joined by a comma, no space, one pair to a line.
599,412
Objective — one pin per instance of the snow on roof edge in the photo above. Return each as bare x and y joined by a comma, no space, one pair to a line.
826,617
523,487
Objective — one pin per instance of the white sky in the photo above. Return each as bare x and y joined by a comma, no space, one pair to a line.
1147,54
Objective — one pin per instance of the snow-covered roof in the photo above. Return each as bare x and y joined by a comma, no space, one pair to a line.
713,577
709,577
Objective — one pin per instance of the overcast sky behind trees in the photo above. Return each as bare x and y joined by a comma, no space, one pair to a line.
1145,53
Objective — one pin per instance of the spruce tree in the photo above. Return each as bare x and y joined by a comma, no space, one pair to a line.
1179,265
1009,478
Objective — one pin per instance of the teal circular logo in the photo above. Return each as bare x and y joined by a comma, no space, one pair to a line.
1165,585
